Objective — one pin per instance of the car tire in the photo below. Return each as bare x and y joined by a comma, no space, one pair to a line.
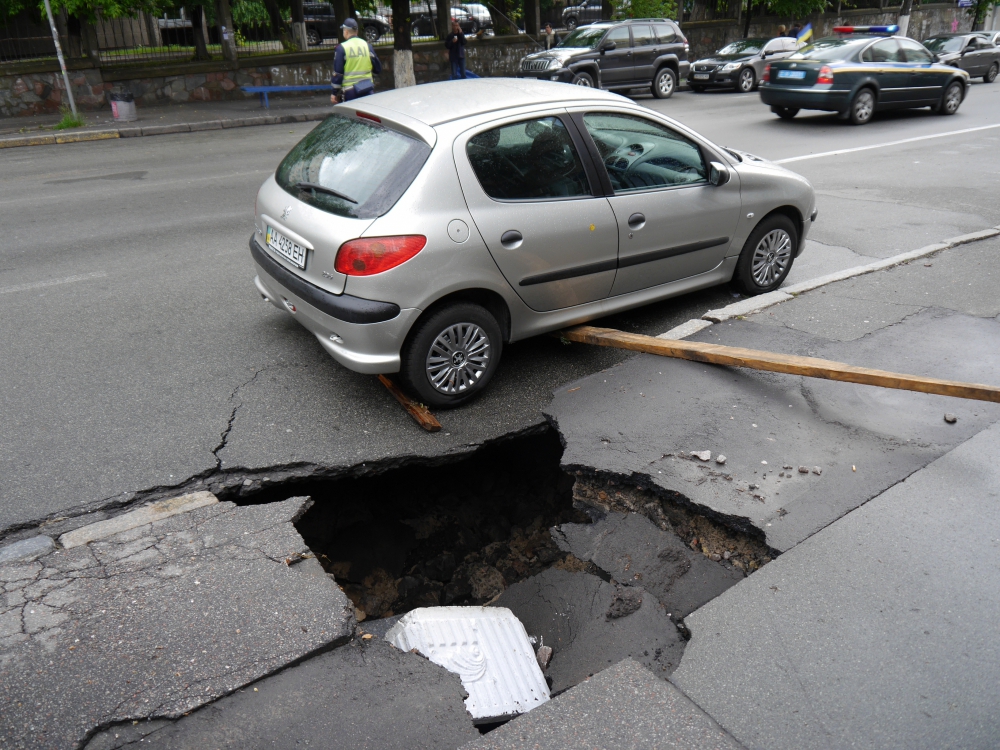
767,256
951,100
583,79
785,113
474,27
747,81
991,74
862,107
372,34
571,23
664,83
451,355
313,38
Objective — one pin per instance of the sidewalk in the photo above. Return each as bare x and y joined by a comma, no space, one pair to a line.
176,118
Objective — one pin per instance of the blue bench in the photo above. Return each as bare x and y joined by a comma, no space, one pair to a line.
265,90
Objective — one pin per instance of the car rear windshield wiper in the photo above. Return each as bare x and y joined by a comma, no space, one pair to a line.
324,189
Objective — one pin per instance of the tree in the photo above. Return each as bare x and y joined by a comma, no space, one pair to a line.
402,44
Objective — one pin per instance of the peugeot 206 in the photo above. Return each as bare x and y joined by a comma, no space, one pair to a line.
419,231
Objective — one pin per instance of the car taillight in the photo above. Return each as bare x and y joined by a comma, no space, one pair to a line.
370,255
825,75
766,78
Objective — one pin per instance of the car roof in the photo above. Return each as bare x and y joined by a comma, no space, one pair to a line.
444,101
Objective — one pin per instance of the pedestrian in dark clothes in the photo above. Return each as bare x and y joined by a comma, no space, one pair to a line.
455,42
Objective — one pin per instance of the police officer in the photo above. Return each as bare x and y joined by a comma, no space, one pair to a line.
353,66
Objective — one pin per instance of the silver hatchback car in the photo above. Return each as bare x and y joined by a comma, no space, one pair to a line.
419,230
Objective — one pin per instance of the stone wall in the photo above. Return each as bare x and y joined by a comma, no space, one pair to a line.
705,37
491,56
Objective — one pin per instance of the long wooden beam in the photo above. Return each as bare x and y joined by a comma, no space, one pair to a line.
810,367
420,413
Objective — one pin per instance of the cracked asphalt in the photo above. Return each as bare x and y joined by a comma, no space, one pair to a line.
139,358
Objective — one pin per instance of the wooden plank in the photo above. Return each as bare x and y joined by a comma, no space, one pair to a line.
810,367
420,413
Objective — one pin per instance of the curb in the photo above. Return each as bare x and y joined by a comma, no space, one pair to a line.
136,131
756,304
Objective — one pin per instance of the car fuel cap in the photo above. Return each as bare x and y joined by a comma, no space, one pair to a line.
458,230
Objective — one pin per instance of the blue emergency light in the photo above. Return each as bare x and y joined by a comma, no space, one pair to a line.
866,29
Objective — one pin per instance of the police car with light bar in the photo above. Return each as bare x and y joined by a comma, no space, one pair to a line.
862,70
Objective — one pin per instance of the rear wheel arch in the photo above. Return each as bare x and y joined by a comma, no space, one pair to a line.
493,302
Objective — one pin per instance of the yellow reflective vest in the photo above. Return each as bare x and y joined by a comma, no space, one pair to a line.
357,61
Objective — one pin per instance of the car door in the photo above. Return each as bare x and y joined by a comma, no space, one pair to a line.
883,60
616,64
775,49
672,223
925,80
643,52
984,55
553,238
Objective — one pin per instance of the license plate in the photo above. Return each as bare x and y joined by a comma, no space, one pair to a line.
701,76
791,74
285,247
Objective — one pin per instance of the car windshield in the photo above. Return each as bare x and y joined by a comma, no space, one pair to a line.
352,167
826,50
945,43
743,47
587,36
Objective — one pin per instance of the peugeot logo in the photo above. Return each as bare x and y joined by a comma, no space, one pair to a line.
284,214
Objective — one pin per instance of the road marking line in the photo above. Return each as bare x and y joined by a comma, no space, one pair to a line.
51,282
884,145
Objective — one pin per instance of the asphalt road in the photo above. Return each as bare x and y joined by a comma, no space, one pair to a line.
137,354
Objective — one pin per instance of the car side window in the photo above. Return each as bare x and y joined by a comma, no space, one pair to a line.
643,36
619,36
665,33
885,51
528,160
640,154
915,52
790,45
775,45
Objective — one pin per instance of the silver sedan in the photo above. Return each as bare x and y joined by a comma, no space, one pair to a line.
418,231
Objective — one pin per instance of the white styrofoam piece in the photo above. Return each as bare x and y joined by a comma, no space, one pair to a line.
487,647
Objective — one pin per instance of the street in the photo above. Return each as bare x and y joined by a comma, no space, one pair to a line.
140,357
212,532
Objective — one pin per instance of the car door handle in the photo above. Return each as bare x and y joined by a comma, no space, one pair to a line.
636,221
511,239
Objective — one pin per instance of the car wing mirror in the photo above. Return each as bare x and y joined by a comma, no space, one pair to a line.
768,52
718,173
608,46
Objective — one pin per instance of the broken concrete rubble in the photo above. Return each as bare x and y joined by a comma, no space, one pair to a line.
569,610
113,619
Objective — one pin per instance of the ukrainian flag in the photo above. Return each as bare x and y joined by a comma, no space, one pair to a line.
805,34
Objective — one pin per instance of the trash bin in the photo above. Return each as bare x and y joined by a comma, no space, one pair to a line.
123,107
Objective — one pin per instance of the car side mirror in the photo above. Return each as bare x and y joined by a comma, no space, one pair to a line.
768,52
718,173
608,46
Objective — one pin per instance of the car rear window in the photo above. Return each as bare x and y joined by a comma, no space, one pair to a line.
828,50
352,167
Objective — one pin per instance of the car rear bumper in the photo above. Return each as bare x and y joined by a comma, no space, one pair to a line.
829,100
368,347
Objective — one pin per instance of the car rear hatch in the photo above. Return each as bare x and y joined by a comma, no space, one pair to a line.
794,72
329,189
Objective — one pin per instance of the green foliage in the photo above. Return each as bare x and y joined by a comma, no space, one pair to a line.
69,120
249,13
795,8
644,9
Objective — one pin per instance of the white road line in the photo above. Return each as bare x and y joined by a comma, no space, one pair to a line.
52,282
883,145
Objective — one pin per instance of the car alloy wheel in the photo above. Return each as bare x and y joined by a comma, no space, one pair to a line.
664,83
991,74
771,257
952,99
862,107
583,79
451,354
313,38
747,80
571,23
372,34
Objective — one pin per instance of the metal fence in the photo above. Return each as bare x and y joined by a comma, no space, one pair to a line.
24,38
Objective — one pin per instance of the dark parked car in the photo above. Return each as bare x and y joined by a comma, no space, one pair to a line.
740,64
424,22
321,23
993,36
480,12
375,27
616,55
859,74
588,11
973,53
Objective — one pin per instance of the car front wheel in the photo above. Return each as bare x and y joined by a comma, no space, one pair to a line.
313,38
571,23
451,355
991,74
767,256
372,34
747,80
583,79
664,83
